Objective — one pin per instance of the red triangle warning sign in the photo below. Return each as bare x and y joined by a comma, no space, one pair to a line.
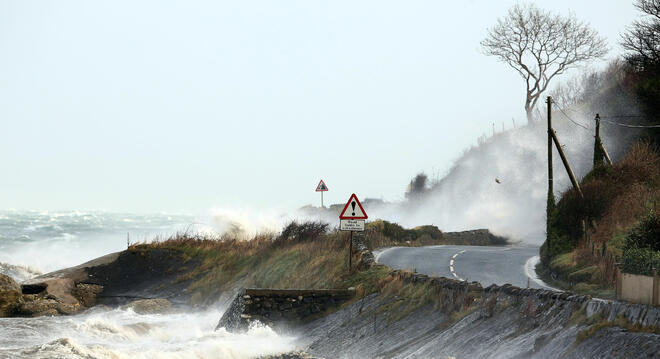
321,187
353,209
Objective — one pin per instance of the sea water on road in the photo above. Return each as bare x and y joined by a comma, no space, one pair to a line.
484,264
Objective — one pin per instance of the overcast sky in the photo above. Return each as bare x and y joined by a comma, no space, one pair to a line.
188,105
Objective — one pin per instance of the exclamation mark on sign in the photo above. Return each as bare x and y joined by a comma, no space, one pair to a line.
353,205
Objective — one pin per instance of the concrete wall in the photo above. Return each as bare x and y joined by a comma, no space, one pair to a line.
638,289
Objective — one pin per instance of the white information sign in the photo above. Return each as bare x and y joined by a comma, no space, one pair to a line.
351,225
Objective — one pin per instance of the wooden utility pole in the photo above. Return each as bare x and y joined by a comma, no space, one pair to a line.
599,148
551,193
598,153
575,183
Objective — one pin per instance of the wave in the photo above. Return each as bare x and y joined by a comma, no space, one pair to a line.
119,334
17,272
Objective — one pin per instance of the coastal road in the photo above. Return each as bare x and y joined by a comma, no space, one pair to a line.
484,264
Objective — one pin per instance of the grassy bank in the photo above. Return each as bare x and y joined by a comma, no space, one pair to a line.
617,200
306,257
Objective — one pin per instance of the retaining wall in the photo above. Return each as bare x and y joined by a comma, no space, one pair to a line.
275,307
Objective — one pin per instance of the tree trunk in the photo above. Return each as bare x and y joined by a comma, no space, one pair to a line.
530,114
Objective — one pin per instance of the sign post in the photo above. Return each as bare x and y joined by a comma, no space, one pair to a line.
321,187
352,219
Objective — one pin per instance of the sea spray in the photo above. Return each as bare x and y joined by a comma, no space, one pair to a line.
117,334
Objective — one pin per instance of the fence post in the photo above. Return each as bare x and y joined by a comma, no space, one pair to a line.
656,288
619,283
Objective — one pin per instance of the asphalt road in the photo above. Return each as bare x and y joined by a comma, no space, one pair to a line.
486,265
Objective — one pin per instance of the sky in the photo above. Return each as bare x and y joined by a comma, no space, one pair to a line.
185,106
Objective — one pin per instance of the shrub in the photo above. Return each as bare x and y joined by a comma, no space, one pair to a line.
645,235
641,249
617,194
306,231
640,261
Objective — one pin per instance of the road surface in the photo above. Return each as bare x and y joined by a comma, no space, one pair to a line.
486,265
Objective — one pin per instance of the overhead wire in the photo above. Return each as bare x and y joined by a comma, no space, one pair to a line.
570,119
605,119
628,125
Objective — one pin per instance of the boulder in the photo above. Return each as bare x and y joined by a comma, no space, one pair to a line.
86,293
35,306
10,296
150,306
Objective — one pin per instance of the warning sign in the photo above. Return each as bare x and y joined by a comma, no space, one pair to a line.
321,187
353,209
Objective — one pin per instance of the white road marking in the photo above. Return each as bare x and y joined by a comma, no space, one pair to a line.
530,272
451,265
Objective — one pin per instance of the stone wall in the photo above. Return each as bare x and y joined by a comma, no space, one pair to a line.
275,307
476,237
460,294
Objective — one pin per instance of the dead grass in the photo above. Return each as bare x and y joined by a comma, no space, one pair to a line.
301,259
598,322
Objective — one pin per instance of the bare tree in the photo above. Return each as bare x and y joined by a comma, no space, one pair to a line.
642,40
540,45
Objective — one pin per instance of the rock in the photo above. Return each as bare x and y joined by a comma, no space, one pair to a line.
150,306
35,306
291,355
10,295
86,293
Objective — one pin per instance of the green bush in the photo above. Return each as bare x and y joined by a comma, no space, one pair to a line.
645,235
641,250
640,261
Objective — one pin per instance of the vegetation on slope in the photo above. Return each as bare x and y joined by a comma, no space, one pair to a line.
617,200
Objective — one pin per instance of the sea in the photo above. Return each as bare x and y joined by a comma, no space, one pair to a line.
37,242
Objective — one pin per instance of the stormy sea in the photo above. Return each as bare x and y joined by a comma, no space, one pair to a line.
32,243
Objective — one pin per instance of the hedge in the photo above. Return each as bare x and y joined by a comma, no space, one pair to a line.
640,261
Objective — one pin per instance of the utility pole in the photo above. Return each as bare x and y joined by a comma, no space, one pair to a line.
571,176
599,148
598,154
551,194
550,204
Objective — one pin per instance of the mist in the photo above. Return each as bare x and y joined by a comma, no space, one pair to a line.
500,184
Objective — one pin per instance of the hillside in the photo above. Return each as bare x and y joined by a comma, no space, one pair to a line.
617,200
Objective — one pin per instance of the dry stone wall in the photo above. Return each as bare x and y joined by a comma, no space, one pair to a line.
275,307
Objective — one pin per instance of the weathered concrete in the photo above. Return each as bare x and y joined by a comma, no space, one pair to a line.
640,289
277,307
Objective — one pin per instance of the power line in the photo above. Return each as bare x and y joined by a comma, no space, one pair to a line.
624,116
629,125
570,119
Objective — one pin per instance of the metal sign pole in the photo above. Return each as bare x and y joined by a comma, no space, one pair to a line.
350,251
